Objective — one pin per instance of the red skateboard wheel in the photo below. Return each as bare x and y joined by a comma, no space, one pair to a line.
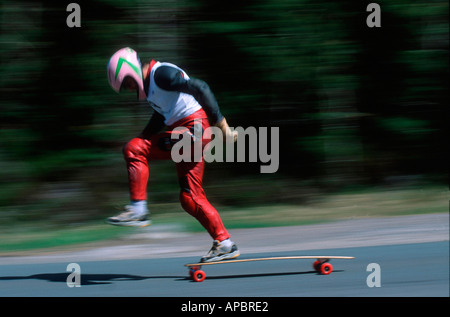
198,276
326,268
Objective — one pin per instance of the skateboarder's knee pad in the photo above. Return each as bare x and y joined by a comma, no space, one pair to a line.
136,147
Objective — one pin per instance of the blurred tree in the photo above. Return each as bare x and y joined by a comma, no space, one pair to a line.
355,105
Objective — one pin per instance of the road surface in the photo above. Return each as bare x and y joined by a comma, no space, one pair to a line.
410,252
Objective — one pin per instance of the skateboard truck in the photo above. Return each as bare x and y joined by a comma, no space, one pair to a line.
197,274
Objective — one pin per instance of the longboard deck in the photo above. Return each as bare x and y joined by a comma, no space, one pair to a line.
317,257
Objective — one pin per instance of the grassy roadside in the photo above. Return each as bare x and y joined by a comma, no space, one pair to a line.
363,204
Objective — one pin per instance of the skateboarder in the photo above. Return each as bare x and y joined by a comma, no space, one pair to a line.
178,101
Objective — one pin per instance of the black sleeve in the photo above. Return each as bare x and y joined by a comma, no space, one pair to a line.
155,124
170,78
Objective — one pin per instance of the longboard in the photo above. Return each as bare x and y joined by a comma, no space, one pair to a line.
321,265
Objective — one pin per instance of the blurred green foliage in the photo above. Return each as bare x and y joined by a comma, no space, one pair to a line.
355,105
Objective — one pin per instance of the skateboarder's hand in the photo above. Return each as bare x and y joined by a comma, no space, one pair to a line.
228,134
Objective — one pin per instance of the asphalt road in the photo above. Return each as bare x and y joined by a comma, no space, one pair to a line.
412,254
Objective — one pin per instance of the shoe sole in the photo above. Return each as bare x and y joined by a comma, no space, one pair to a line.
139,224
227,256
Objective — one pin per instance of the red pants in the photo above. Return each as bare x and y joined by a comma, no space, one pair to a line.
139,152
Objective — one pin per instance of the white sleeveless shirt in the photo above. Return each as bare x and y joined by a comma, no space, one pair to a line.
173,105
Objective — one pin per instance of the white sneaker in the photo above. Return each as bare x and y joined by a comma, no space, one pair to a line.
221,251
129,218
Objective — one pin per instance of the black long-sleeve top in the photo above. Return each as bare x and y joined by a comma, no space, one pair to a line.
172,79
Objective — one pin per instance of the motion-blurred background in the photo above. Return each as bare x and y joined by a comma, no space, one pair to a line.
362,111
